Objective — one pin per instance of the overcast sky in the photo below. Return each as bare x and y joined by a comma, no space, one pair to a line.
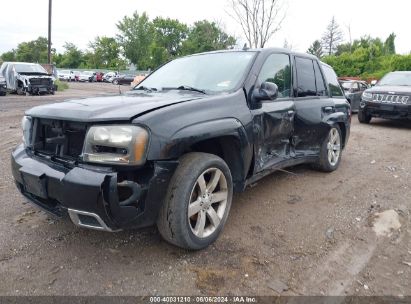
79,21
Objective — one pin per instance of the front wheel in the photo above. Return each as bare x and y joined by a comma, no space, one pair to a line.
197,202
331,151
115,82
363,117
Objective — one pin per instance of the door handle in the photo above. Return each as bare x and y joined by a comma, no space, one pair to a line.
291,113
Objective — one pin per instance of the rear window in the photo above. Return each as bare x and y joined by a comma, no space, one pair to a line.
332,81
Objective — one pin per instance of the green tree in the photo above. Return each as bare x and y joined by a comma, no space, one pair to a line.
316,49
105,54
389,46
207,36
8,56
169,34
136,37
72,57
33,51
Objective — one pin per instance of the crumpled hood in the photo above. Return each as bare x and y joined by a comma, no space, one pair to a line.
399,90
111,108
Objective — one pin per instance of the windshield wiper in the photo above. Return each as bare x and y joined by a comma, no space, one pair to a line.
187,88
141,88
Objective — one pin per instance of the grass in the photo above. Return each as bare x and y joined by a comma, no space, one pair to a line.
61,86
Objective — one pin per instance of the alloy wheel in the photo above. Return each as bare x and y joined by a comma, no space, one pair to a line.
334,146
208,203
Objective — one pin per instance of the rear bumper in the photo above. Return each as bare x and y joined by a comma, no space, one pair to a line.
91,195
389,111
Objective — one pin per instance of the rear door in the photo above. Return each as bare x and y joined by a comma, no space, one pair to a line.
312,103
274,120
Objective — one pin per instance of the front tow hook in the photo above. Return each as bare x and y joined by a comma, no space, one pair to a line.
135,190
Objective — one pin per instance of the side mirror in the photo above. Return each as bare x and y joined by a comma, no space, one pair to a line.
268,91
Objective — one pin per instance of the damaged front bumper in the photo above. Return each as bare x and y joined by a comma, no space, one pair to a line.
93,197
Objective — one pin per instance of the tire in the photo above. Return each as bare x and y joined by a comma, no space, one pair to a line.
331,151
175,223
363,117
115,82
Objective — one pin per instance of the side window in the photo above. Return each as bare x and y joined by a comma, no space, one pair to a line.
332,80
277,69
319,80
305,77
363,87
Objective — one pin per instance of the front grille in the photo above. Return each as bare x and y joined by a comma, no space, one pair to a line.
40,81
63,139
392,99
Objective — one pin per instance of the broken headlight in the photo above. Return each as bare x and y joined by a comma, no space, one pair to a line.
26,127
116,144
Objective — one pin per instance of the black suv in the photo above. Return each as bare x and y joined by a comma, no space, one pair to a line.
390,98
173,150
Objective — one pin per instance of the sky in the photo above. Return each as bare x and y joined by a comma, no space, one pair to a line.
80,21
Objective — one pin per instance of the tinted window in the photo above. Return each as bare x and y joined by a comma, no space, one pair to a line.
305,77
332,81
363,86
319,80
277,69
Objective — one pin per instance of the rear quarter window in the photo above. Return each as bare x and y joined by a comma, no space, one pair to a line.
332,81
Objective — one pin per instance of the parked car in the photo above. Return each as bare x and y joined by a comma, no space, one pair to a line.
108,77
77,75
27,78
3,86
138,79
86,76
66,75
123,79
353,90
390,98
173,150
98,77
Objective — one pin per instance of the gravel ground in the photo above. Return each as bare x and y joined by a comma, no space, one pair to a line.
297,233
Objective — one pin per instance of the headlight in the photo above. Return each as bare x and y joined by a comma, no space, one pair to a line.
116,144
26,127
366,96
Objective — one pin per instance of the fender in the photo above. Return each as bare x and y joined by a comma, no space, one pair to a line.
186,137
342,119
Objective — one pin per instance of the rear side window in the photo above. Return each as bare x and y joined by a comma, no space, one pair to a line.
305,77
332,81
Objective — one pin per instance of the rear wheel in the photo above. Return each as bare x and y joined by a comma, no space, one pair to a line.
331,151
363,117
197,203
115,82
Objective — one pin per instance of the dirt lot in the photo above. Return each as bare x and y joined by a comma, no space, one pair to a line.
298,233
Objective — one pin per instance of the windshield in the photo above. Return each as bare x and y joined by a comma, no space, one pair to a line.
396,79
216,72
29,68
346,85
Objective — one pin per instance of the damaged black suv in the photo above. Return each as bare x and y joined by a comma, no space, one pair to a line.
172,151
390,98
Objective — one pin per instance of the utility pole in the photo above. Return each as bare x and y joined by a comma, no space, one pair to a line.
49,42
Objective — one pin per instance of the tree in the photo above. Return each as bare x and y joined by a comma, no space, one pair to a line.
389,45
33,51
72,57
316,49
105,54
332,37
259,19
8,56
136,37
169,34
287,45
207,36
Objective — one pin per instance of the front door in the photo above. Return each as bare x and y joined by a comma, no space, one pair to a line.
274,120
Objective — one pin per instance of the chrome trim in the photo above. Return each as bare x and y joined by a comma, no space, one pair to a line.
74,216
